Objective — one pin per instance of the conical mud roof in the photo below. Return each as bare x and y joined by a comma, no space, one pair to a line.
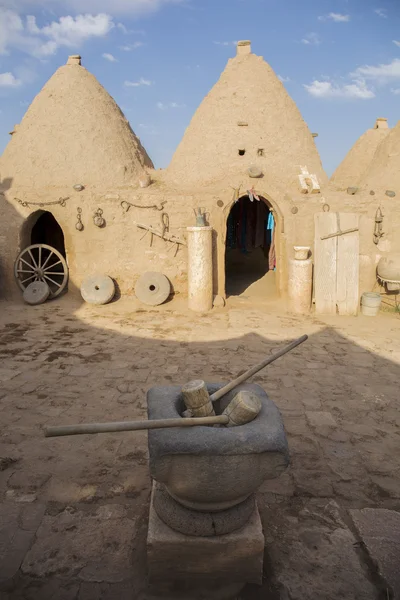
73,133
247,119
384,171
358,160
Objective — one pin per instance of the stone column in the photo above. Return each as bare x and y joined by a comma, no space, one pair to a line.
200,266
300,285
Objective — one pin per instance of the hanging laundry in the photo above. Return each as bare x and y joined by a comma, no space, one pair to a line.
253,194
271,232
250,226
262,212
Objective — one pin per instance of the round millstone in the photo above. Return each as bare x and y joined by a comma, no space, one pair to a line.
98,289
152,288
36,292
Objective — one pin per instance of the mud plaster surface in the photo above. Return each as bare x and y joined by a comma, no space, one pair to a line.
73,511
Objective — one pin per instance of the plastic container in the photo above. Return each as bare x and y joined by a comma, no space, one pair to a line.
370,304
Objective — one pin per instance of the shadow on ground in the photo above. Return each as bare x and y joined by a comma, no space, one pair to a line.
74,510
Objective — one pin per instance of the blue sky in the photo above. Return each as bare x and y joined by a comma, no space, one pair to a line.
340,59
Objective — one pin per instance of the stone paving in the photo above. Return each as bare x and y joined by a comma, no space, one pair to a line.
73,510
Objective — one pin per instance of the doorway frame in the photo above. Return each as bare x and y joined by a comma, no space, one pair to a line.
25,232
279,243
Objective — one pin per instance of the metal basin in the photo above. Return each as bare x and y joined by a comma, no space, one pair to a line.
388,268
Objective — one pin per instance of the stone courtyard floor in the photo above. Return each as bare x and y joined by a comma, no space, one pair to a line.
73,510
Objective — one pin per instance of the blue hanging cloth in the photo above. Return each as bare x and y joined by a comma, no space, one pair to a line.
271,240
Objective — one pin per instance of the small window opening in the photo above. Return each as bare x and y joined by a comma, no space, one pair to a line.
152,288
242,152
260,152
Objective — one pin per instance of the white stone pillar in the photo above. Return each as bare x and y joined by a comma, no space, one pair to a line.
300,286
200,268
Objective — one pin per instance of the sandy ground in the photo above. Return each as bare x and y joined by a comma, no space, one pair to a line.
73,510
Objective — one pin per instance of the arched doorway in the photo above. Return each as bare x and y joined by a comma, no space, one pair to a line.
42,255
250,252
46,230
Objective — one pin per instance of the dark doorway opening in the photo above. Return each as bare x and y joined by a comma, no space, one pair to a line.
250,258
46,230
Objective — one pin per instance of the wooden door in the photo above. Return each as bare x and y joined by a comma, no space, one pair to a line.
336,263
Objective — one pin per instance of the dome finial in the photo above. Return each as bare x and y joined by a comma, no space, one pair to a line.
243,47
381,123
74,59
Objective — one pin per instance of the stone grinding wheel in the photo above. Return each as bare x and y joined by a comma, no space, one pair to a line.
152,288
36,292
98,289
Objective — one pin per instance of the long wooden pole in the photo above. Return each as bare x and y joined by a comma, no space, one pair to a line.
227,388
161,423
133,425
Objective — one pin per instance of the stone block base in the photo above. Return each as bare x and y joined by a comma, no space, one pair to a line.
233,558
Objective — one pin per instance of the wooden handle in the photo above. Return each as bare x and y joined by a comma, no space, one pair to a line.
133,425
227,388
161,423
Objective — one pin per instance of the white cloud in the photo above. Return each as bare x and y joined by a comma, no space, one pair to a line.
311,39
163,106
283,79
360,82
336,17
120,7
130,47
396,91
72,32
9,80
326,89
225,43
109,57
11,27
127,31
396,42
381,12
381,73
139,83
122,27
148,129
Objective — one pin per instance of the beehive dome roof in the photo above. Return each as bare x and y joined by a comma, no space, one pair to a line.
357,161
73,133
384,170
247,119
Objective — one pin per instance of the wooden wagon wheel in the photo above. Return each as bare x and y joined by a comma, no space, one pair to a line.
40,262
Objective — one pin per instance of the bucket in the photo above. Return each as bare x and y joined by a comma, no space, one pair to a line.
370,304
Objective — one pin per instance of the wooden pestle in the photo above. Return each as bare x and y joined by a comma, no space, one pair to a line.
132,425
243,408
247,374
199,402
233,415
197,399
236,413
